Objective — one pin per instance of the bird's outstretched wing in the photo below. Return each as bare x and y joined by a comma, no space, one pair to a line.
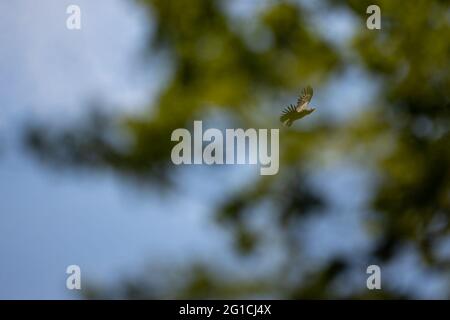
290,114
305,97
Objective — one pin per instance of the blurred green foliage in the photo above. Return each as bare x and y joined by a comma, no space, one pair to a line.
242,68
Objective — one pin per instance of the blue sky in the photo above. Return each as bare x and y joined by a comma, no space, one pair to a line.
50,219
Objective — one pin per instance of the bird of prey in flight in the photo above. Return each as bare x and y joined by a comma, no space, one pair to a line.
293,113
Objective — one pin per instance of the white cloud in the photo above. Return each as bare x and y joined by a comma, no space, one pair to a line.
49,70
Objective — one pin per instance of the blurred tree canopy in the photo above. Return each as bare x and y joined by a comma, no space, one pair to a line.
241,68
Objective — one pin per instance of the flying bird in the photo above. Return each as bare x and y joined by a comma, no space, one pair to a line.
298,111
